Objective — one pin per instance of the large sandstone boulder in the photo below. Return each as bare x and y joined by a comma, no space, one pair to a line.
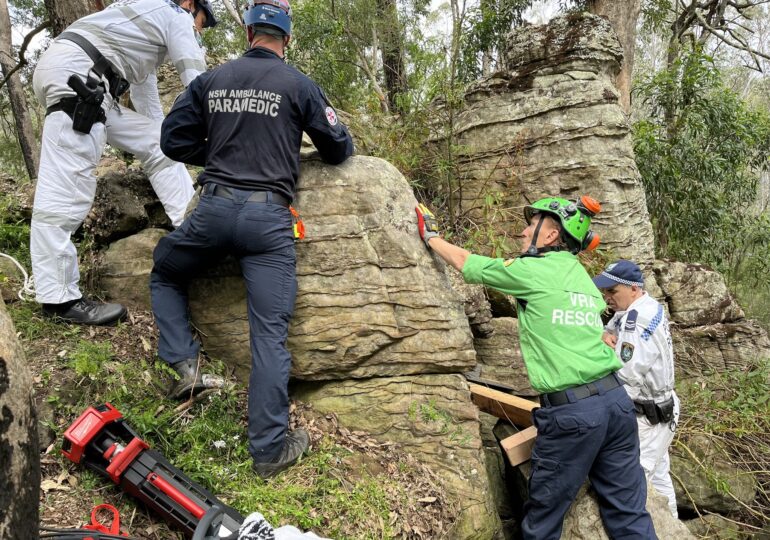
499,356
712,484
719,347
372,300
432,417
126,266
550,123
696,295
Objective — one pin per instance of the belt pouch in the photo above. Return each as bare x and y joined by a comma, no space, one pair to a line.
649,410
665,410
88,109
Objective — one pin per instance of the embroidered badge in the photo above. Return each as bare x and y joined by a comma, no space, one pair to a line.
626,351
331,116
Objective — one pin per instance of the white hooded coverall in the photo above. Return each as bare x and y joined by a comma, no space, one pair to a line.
136,36
645,347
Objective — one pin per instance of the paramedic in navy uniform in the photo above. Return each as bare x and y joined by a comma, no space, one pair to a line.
243,122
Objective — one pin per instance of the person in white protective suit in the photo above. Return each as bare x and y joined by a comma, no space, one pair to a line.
79,80
639,333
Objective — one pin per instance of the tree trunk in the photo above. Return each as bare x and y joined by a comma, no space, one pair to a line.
623,15
392,53
65,12
24,132
19,452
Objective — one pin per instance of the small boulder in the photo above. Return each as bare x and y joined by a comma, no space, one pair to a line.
696,295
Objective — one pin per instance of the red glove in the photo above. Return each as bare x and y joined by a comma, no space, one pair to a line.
426,224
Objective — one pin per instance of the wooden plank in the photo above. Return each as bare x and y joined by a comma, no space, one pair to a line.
514,409
518,447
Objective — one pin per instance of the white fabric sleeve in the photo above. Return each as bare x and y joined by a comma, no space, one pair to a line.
183,48
145,98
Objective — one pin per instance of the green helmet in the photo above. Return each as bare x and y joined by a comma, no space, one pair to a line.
574,217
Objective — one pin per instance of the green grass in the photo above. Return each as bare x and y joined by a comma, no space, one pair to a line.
208,442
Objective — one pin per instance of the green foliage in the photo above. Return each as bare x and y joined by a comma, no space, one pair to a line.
88,358
700,154
485,29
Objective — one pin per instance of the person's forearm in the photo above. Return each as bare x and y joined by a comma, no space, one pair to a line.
453,255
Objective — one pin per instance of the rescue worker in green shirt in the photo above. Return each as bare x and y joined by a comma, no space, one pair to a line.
586,424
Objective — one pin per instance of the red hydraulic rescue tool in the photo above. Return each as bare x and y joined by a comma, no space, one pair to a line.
102,441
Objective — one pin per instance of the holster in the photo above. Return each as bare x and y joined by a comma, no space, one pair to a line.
88,106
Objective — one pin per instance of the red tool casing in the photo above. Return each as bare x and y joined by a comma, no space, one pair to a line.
102,441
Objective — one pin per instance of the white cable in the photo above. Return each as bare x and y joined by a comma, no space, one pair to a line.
27,291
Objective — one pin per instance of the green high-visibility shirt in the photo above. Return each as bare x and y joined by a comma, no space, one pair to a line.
559,309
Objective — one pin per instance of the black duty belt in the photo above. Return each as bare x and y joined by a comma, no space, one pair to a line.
583,391
256,196
102,66
67,105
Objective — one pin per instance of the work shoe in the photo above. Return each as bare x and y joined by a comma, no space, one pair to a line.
190,380
295,444
85,311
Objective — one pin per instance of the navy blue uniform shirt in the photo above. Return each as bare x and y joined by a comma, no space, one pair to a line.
243,122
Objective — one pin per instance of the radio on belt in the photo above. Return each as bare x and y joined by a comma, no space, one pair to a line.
102,441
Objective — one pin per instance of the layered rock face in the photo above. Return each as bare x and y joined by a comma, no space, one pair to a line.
709,328
371,301
550,124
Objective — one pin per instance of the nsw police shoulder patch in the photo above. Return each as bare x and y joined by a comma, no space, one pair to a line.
626,351
630,325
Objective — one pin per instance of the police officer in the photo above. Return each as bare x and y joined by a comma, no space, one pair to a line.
243,122
639,332
586,425
78,79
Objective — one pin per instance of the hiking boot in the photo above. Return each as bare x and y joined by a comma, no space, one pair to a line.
190,380
294,445
85,311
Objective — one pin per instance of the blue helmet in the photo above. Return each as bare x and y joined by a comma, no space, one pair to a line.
275,13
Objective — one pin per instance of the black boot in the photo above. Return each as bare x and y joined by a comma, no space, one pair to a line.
190,379
85,311
295,444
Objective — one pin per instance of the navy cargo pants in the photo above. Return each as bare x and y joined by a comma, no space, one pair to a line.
594,438
260,236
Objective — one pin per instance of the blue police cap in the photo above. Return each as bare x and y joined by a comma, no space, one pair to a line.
621,272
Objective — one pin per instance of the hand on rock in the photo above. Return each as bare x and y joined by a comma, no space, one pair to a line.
426,224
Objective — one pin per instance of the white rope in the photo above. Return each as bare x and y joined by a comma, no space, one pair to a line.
27,291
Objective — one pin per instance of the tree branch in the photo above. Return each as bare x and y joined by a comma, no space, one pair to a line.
233,12
23,49
735,44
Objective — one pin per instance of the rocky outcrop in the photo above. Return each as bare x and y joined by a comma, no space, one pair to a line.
549,124
720,347
696,295
712,485
499,356
371,300
431,416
